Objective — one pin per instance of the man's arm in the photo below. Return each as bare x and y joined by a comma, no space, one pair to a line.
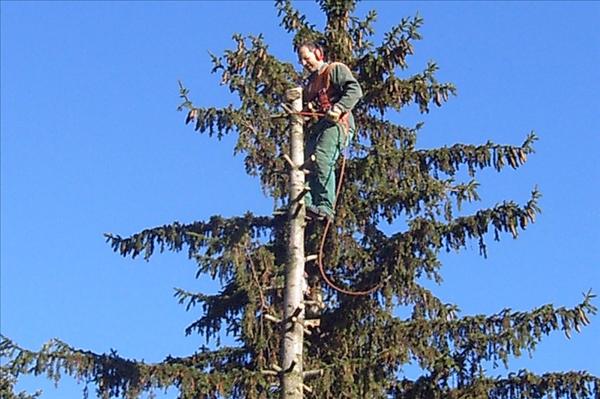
347,85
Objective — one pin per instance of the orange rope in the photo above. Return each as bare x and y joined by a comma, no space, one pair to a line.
320,257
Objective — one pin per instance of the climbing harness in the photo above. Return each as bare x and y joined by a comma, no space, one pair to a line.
321,93
324,100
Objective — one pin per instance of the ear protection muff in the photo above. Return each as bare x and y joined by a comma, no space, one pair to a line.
319,54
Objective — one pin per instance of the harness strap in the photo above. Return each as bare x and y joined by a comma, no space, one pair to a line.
325,100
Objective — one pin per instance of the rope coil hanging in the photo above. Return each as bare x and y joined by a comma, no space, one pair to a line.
322,245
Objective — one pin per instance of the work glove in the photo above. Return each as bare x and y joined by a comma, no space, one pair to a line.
334,113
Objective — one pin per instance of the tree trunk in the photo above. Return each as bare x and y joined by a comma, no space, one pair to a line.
293,313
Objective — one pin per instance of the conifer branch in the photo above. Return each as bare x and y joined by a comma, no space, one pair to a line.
449,159
524,384
259,287
395,93
385,133
569,385
396,190
113,375
213,236
392,52
259,79
360,31
472,340
7,386
225,306
291,19
505,217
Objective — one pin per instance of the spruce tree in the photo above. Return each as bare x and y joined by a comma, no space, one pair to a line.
358,344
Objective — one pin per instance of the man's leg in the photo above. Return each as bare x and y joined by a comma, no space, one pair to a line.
327,151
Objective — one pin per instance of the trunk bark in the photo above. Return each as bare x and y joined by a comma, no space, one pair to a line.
292,344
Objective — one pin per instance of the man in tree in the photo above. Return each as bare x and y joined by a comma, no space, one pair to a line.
363,344
330,94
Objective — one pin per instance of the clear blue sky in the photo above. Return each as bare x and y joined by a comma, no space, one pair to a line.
92,143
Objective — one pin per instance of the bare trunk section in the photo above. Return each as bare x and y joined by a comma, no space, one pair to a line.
293,313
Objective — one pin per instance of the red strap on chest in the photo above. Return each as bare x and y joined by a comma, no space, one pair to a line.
324,100
319,89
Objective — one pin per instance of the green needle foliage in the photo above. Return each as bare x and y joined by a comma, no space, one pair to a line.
360,346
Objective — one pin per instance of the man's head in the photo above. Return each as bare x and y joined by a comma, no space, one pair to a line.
310,56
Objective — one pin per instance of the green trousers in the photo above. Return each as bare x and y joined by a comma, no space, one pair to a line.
326,141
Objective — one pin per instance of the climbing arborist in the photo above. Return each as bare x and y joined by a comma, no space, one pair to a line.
330,95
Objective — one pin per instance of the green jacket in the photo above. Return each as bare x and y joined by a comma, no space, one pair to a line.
343,88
